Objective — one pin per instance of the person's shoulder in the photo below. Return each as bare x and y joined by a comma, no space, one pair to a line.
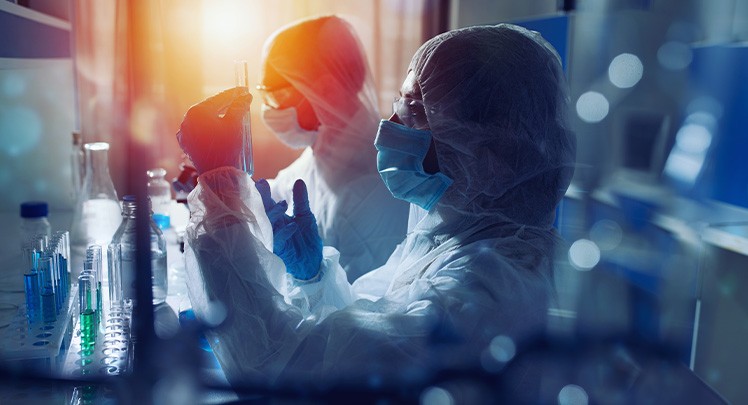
493,257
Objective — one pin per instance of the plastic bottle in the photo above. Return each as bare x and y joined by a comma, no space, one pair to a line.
125,237
34,221
159,191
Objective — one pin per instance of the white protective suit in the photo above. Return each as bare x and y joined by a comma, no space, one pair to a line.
477,266
323,59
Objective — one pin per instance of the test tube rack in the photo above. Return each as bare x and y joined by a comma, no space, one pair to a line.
112,351
38,343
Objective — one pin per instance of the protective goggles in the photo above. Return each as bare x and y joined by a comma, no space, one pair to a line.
274,97
411,112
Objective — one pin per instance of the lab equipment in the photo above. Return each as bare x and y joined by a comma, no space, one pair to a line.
97,210
34,220
114,255
125,264
47,286
88,316
77,165
401,151
159,191
33,295
241,71
92,267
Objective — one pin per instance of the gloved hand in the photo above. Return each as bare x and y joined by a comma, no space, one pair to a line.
295,239
211,140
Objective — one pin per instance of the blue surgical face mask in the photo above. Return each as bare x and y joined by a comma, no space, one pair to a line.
400,163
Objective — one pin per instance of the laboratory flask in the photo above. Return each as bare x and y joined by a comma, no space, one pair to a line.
97,211
125,238
159,191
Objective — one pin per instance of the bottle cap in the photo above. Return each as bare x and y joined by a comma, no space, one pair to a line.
34,209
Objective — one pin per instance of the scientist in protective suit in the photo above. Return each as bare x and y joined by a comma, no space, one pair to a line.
478,145
318,95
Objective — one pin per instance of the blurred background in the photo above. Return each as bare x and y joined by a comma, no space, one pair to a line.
656,217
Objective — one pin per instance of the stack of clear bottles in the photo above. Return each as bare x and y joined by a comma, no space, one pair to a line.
123,256
46,281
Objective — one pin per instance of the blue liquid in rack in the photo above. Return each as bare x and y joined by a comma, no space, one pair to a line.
49,306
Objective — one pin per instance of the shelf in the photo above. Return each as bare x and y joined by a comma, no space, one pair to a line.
33,15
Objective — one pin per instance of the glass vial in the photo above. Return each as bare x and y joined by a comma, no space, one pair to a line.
125,238
159,191
241,72
34,223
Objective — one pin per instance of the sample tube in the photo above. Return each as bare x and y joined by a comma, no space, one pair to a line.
49,307
114,258
64,262
33,296
87,305
97,267
242,80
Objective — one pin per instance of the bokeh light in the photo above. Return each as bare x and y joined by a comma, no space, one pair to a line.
573,395
592,107
436,396
20,129
674,55
693,138
584,254
607,234
502,348
13,85
625,70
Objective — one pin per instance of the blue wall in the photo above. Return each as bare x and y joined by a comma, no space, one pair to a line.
721,72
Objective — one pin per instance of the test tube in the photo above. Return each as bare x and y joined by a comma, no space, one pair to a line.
114,252
241,72
87,311
64,258
97,267
49,307
33,296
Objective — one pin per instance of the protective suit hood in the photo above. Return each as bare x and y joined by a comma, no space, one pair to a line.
496,98
337,83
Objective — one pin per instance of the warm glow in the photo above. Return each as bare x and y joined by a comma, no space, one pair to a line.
222,21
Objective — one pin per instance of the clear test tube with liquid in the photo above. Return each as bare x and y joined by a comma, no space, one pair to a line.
241,75
87,311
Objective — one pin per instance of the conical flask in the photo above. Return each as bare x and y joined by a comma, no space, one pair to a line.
97,211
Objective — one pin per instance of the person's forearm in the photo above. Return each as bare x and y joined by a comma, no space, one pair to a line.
257,336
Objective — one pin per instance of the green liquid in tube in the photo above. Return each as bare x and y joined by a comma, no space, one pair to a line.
88,330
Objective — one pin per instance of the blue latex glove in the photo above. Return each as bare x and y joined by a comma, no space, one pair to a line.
295,239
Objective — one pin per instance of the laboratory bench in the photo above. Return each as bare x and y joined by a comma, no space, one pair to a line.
706,242
61,355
